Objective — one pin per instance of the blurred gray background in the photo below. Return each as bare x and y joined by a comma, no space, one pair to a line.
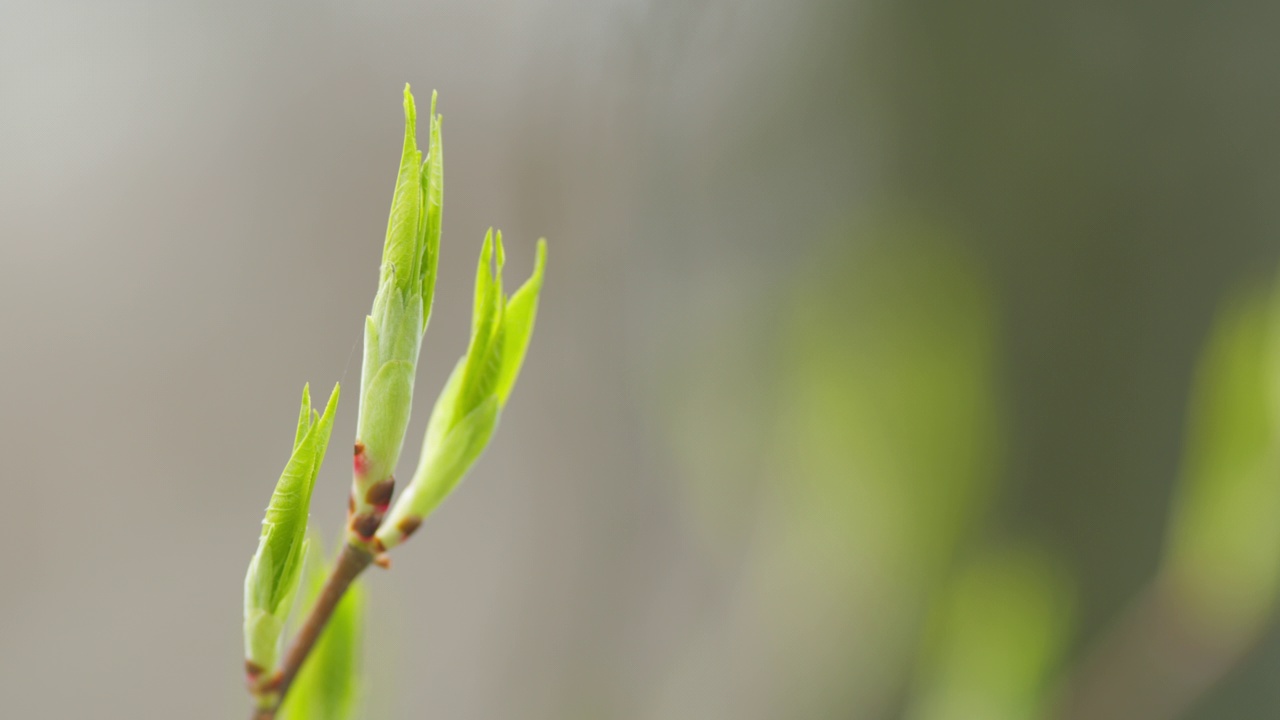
193,197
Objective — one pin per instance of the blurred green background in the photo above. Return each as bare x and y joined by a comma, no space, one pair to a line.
895,360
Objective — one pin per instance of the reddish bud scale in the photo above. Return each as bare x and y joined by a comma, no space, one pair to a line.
366,525
259,685
407,527
378,498
360,463
379,495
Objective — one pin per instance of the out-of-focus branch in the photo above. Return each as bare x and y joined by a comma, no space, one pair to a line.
1154,664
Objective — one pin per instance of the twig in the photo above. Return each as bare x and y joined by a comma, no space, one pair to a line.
351,563
1156,663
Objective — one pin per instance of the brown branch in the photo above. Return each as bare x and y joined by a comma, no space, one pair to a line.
351,563
1154,664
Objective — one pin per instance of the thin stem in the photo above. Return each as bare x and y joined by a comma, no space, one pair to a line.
1153,665
351,563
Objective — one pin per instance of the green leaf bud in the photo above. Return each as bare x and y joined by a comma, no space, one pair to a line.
272,579
467,411
395,326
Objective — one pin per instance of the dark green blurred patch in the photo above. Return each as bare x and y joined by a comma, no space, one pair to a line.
852,451
890,409
1215,592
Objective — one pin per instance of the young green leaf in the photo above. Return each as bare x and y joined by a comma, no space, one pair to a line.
433,201
395,326
402,252
467,411
273,572
443,412
517,319
438,474
484,354
304,417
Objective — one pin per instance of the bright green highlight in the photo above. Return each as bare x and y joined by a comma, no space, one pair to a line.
467,411
328,687
273,575
997,637
1223,550
402,306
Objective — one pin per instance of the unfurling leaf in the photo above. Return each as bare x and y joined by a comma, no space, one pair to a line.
395,326
272,579
467,411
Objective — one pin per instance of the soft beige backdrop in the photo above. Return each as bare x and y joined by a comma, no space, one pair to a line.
840,294
192,202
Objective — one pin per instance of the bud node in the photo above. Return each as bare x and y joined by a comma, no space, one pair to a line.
366,525
379,494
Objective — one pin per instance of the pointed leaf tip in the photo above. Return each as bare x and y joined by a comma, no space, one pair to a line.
410,114
304,416
333,399
540,261
517,324
401,253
